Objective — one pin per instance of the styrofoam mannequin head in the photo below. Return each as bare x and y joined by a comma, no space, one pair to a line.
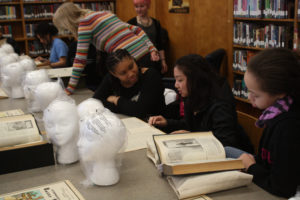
23,56
8,59
61,124
89,107
11,76
28,64
31,81
46,92
7,48
15,56
102,135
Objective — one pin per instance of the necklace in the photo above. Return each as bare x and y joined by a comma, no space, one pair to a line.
147,21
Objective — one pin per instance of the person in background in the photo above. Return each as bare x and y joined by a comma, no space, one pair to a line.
105,31
152,27
47,35
273,82
129,89
9,40
207,107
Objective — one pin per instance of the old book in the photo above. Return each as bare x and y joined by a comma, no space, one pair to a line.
18,130
14,112
3,94
138,133
190,153
59,190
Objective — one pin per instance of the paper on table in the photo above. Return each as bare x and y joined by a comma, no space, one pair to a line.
9,113
59,72
59,190
138,133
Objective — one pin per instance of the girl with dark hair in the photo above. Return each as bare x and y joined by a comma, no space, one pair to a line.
130,90
46,34
206,106
273,82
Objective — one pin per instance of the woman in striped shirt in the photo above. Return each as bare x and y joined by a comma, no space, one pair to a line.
105,31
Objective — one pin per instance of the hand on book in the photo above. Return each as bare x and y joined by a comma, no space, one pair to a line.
157,121
247,160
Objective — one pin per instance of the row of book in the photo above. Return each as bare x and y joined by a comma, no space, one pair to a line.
239,88
40,0
262,36
241,59
98,6
40,11
277,9
7,12
6,30
30,28
36,48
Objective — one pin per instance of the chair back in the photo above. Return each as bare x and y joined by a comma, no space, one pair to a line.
248,123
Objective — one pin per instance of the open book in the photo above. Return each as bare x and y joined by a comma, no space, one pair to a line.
138,132
58,190
3,94
190,153
18,129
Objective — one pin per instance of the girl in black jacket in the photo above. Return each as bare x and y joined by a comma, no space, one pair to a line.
273,82
207,107
129,89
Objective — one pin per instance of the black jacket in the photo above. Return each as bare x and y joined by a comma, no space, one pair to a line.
161,39
277,167
144,99
220,118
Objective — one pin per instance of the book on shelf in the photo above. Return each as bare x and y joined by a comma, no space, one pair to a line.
189,153
18,130
259,35
58,190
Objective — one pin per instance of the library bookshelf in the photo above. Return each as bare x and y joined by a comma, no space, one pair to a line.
18,19
257,25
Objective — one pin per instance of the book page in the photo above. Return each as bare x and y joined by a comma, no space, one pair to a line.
9,113
138,133
189,148
16,130
59,72
59,190
194,185
3,94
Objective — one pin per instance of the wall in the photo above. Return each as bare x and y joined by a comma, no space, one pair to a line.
201,31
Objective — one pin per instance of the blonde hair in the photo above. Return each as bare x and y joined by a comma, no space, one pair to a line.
67,17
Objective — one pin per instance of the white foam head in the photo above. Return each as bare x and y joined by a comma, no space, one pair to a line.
61,124
11,76
46,92
102,135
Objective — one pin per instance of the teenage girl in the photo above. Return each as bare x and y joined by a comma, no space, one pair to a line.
273,82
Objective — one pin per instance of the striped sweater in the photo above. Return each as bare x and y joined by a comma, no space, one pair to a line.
107,33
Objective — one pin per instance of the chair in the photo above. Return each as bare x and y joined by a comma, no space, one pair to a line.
248,123
215,58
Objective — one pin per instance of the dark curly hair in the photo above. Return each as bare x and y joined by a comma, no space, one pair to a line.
44,29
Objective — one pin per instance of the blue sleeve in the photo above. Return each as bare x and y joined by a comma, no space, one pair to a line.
60,49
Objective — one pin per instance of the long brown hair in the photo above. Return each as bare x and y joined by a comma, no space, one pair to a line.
67,17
